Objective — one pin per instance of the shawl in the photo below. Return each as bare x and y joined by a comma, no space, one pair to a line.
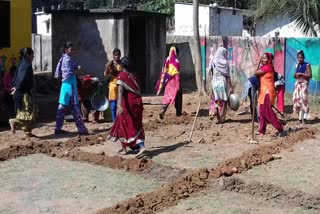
170,68
220,62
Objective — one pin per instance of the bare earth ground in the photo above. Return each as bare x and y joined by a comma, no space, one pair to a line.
196,173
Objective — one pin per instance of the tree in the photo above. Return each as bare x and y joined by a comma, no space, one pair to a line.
197,53
306,13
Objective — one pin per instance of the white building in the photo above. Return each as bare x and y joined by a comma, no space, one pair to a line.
213,20
280,25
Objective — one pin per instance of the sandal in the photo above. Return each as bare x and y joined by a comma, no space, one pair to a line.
123,152
60,131
86,133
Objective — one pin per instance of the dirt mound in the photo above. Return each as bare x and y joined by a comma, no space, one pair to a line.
170,119
70,151
133,165
182,187
271,192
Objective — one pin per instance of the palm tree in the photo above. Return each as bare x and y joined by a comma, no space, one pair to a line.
306,13
307,16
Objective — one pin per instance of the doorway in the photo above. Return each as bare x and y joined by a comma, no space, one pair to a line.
137,49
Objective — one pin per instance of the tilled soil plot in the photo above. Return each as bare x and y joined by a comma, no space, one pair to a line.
170,194
181,183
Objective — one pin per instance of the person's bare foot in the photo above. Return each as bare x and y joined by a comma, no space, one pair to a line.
12,126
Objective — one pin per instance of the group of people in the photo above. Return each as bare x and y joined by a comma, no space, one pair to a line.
124,93
124,96
267,84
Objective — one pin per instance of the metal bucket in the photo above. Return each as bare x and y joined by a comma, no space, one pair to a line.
99,102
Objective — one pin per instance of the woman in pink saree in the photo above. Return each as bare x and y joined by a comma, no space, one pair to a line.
170,81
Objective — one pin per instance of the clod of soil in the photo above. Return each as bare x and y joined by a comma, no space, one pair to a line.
169,119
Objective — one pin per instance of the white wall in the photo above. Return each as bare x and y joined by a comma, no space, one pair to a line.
44,24
282,24
183,20
213,21
231,24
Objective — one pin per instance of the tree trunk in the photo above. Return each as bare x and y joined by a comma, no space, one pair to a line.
197,53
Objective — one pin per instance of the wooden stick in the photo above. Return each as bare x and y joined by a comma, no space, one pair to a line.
194,122
253,116
282,115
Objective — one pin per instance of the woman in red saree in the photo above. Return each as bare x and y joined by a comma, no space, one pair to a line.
127,127
267,94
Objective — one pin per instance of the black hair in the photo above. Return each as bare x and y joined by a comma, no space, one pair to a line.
24,52
124,62
300,53
116,51
66,46
269,55
177,50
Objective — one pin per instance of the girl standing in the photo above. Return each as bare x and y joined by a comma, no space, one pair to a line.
302,75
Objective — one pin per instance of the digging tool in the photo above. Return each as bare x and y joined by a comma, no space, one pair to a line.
282,115
194,122
253,137
284,120
152,103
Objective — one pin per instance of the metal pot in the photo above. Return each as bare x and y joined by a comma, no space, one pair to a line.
234,102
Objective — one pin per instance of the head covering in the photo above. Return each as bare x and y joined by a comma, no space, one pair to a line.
170,68
268,67
220,62
270,56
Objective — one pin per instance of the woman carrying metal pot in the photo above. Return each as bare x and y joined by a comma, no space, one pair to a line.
220,83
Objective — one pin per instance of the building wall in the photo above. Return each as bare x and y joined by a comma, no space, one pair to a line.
185,45
184,23
228,22
20,30
94,37
44,24
42,46
213,21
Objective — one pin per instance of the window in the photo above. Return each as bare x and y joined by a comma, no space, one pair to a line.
5,23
